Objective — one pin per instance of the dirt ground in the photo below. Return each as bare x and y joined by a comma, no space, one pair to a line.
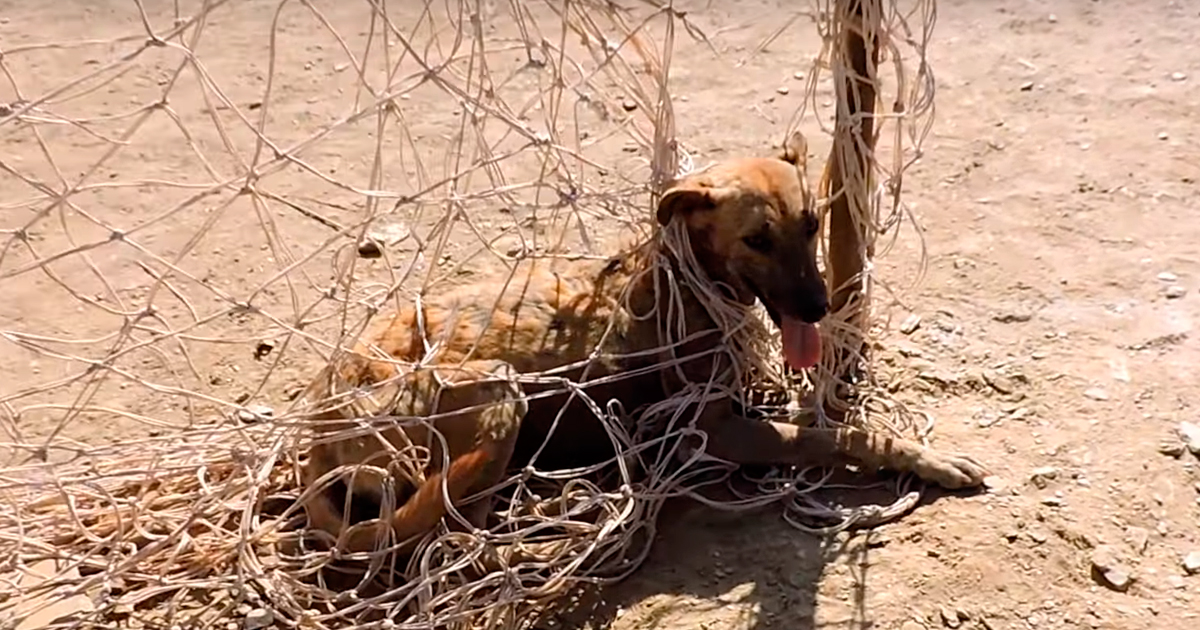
1056,338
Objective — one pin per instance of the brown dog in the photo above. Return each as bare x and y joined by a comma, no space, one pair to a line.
753,231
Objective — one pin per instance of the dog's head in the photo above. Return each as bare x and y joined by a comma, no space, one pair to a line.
752,226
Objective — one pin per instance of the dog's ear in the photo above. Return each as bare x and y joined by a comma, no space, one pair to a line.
795,150
690,196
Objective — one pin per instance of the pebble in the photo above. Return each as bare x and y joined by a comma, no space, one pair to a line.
1027,86
1191,563
629,105
1013,317
255,413
1110,571
1178,76
995,483
999,382
910,324
1052,501
1162,135
783,89
1172,449
370,248
949,618
1042,476
259,618
1190,434
263,349
1096,393
1174,292
1167,276
1139,539
799,76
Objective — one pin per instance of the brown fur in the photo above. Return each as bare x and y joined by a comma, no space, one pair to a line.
543,321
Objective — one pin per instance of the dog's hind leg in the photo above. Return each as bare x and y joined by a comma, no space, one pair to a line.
744,441
473,413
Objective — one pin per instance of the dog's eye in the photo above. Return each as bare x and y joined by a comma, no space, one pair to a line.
758,242
811,225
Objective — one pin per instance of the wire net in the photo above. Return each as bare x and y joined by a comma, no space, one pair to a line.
151,446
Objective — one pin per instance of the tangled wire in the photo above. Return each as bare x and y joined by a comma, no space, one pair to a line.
187,523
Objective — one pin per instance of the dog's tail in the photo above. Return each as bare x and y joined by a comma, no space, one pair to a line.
427,506
422,511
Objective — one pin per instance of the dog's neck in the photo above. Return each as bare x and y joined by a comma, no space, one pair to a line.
655,274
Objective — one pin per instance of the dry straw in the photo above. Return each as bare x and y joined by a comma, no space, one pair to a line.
195,209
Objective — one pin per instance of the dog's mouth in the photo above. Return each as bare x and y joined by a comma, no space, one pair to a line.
801,339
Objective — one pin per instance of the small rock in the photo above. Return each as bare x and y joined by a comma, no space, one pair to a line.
1038,537
1109,571
1020,413
988,421
1052,18
1191,563
1052,501
385,234
1139,539
263,349
783,89
875,540
259,618
1178,76
1096,393
799,76
629,105
1172,449
1042,476
1167,276
1027,86
1190,434
255,413
370,248
1174,292
995,483
1014,317
999,382
910,324
1162,135
949,618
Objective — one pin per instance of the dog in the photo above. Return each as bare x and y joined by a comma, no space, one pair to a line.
753,232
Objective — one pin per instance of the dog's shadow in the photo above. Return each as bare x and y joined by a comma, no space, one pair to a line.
716,569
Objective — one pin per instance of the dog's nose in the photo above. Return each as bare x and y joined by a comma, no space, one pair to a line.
815,309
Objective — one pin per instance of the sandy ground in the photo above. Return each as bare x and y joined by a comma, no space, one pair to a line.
1057,313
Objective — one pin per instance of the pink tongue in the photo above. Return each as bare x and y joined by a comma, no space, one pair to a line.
801,343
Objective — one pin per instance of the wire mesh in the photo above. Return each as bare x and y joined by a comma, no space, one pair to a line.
220,216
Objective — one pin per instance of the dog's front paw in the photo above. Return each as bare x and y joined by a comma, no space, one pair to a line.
951,471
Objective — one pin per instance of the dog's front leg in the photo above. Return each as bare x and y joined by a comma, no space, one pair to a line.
744,441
